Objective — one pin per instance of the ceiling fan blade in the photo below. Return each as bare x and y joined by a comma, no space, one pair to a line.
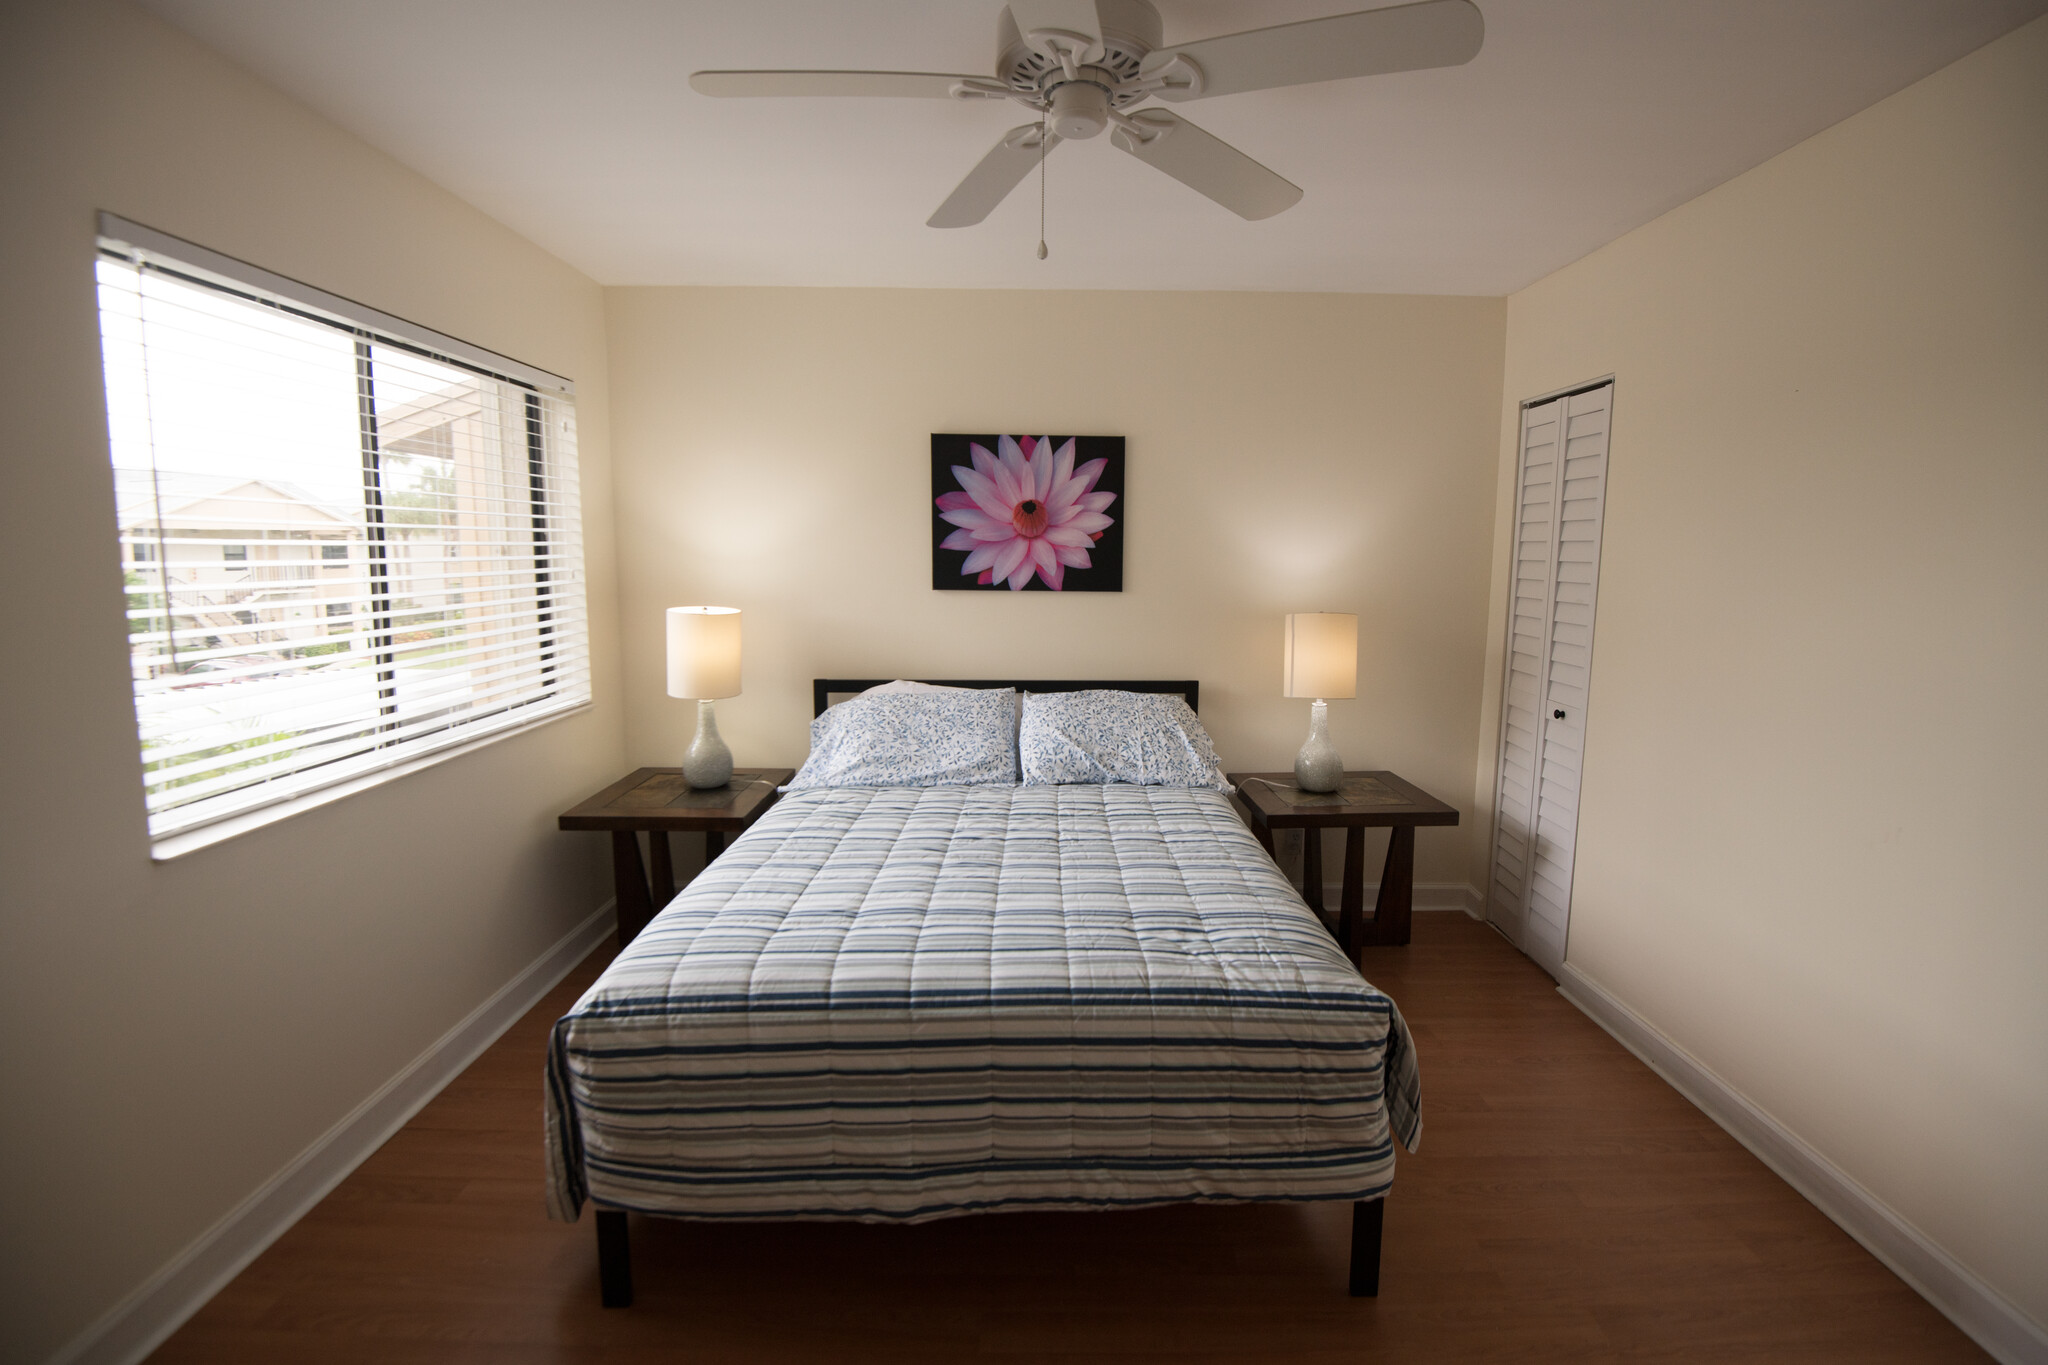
888,84
991,181
1073,19
1207,165
1371,42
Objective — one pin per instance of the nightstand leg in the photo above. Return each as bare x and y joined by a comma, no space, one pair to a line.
615,1259
1351,925
629,884
714,844
1391,917
1312,871
661,867
1368,1220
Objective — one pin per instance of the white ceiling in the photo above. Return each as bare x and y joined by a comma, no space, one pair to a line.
572,122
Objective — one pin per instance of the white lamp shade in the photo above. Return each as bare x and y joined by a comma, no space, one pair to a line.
704,652
1322,655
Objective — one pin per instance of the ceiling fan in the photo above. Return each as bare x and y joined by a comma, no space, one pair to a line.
1084,65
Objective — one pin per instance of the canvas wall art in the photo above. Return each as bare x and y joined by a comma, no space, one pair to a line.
1043,513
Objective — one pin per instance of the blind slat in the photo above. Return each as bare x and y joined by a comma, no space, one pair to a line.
279,718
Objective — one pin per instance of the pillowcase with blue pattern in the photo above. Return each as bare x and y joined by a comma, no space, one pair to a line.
1149,740
957,737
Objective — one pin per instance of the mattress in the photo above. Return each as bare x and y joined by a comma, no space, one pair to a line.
894,1004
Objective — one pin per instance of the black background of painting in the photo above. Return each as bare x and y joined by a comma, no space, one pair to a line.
1106,555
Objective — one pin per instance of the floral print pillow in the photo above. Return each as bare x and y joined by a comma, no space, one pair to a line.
957,737
1146,739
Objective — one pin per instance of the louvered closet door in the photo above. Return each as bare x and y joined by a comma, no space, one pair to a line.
1560,494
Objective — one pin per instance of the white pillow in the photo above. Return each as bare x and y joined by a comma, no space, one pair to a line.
902,685
1098,737
944,737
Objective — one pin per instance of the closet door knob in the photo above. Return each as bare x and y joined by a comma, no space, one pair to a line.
1557,714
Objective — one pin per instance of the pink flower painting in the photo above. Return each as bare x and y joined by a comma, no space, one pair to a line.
1014,509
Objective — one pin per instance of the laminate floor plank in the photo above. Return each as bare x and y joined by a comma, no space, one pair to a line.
1566,1206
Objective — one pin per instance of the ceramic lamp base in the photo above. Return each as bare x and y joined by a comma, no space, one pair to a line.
708,764
1317,767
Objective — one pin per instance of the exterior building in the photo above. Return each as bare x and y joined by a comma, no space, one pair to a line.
240,567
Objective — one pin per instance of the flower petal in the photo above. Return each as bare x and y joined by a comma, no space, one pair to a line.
986,578
1067,535
1096,502
1055,577
973,518
1043,467
1088,473
1045,557
981,527
1074,558
1021,482
1008,556
953,502
985,463
1064,488
959,540
979,560
983,490
1022,577
1087,521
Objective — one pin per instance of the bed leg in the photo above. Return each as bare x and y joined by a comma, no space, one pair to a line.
614,1259
1366,1218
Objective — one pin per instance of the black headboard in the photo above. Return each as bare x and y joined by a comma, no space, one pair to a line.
822,688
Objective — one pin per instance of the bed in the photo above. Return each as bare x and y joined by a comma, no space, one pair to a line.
898,1003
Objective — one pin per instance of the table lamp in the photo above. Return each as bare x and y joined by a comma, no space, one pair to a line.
704,663
1322,662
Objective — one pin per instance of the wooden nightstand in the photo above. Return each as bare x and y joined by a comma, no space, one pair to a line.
659,801
1364,801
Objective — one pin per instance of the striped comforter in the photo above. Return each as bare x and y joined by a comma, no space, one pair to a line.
897,1004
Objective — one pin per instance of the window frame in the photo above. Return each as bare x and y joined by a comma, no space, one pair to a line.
554,558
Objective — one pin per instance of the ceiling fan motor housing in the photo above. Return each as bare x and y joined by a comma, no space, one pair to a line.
1080,107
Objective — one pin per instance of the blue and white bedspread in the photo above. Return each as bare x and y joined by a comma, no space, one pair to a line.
894,1005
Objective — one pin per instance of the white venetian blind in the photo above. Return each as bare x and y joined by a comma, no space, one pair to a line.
348,542
1560,496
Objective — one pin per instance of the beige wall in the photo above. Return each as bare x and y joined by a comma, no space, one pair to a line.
1286,453
1811,846
171,1035
1823,605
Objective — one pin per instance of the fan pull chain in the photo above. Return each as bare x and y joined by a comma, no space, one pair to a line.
1041,187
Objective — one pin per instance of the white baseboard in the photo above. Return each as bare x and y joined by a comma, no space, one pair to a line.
1991,1320
139,1323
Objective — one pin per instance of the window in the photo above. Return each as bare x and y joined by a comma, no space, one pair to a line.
253,418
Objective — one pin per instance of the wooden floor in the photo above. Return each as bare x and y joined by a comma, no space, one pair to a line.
1567,1205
